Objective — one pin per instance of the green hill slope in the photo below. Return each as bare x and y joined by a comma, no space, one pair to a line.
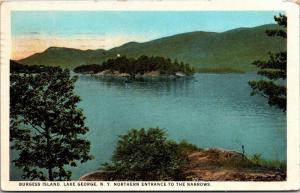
64,57
235,50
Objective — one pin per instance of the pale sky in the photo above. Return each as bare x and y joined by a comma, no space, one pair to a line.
35,31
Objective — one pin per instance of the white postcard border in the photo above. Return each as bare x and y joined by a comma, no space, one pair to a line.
293,71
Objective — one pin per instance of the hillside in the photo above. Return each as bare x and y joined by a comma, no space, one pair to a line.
235,49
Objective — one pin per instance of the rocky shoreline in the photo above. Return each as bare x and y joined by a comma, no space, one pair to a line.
151,74
214,165
226,165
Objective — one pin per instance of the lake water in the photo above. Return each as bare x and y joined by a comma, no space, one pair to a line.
209,110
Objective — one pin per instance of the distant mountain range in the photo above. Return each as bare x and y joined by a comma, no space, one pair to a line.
235,49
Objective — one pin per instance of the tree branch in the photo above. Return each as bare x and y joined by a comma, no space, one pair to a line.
32,125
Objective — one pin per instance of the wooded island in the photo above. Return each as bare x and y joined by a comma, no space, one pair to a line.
138,67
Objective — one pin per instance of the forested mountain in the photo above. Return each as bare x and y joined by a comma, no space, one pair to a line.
232,50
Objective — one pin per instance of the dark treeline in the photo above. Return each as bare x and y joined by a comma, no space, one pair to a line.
140,65
16,67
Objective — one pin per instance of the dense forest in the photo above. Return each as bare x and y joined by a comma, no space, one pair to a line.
16,67
140,65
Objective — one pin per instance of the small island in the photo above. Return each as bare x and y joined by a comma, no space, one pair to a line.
140,67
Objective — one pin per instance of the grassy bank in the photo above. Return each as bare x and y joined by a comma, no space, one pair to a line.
220,70
258,161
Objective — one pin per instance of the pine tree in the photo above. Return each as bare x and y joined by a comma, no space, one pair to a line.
274,69
46,126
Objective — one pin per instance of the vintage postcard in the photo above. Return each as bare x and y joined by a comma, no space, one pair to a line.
149,95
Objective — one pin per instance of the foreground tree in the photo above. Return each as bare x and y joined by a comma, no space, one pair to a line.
274,69
145,155
46,126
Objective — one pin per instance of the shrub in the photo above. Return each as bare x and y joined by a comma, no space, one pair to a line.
145,155
185,146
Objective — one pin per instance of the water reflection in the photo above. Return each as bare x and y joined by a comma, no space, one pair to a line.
147,86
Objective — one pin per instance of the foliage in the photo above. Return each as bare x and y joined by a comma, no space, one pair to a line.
185,146
46,126
90,68
16,67
148,155
274,69
219,70
145,155
258,161
239,161
140,65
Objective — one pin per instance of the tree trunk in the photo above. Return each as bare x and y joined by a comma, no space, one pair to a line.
50,174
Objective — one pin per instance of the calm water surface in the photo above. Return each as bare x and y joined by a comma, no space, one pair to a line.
209,110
